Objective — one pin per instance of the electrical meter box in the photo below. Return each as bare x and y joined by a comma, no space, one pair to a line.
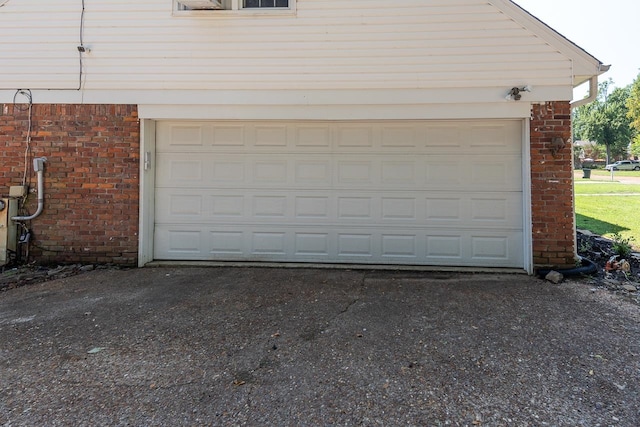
8,229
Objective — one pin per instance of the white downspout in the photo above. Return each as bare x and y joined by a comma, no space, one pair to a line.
38,166
593,89
593,94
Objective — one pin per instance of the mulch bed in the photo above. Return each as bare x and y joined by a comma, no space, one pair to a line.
29,274
600,250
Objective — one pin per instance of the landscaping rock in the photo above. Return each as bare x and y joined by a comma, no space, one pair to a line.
554,277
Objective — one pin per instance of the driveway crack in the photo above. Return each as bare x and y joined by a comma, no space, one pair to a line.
355,300
347,307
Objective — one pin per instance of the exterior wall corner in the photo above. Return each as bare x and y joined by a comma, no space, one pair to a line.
552,197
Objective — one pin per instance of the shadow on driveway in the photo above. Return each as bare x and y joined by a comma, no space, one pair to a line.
305,347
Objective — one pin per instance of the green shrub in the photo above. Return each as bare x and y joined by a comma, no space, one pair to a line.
622,246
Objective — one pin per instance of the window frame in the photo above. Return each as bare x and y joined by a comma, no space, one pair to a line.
235,8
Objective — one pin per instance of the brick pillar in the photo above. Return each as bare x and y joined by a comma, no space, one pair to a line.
90,179
552,185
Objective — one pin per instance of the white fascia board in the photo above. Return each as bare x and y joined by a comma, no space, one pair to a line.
447,96
584,64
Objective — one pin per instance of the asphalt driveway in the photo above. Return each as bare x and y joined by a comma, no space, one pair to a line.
313,347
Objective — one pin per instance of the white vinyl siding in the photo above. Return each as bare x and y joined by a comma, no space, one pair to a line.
389,192
325,45
40,36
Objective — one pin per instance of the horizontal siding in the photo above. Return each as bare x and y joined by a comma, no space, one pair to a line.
35,42
327,44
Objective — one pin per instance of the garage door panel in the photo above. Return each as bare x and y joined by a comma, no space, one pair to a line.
441,173
269,243
444,247
501,174
396,137
316,172
226,243
312,244
271,135
365,172
490,247
327,208
312,135
355,207
399,209
226,206
269,172
185,170
426,193
495,136
436,137
181,136
359,245
355,135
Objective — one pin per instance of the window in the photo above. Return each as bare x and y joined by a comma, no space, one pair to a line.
266,3
201,4
227,6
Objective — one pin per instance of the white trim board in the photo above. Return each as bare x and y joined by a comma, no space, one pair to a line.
506,110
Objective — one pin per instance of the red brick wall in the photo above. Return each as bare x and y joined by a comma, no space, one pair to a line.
552,186
90,179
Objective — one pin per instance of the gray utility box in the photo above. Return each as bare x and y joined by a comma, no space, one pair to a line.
8,228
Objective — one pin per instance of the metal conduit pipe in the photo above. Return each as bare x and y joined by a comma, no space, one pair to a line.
38,166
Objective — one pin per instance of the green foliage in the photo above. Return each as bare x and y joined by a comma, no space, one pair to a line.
633,104
635,146
606,121
622,245
633,107
585,247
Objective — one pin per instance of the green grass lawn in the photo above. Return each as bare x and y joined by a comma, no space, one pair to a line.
600,187
604,209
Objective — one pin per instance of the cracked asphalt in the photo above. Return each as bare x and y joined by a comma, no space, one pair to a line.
316,347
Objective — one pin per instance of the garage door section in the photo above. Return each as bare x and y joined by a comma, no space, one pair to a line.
424,193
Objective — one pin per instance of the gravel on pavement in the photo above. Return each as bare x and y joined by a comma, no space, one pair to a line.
316,347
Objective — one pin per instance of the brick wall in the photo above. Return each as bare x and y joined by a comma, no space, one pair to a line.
552,186
91,179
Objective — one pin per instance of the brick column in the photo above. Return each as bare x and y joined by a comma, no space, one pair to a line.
552,185
90,179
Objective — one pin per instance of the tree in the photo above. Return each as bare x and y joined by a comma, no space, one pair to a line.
606,120
633,105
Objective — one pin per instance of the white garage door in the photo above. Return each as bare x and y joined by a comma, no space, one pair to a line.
443,193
